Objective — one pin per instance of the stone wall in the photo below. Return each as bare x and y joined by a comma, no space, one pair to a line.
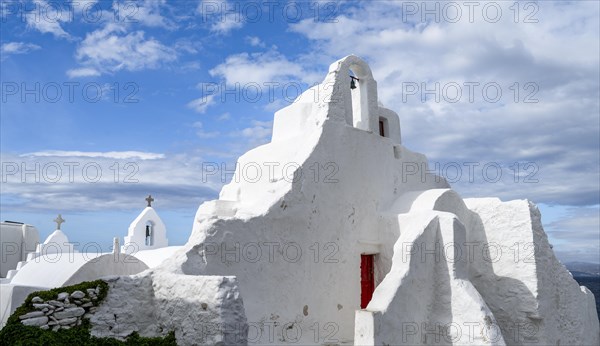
63,312
198,310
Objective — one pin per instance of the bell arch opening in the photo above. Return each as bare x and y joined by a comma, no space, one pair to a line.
360,98
149,233
355,93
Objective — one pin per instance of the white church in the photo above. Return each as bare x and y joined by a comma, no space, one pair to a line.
362,252
56,262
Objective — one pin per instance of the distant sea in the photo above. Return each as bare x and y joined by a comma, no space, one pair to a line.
593,284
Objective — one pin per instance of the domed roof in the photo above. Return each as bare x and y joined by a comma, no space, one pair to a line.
57,237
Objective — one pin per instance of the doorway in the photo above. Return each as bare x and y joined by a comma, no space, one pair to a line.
367,279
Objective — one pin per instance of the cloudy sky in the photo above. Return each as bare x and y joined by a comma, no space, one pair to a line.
104,102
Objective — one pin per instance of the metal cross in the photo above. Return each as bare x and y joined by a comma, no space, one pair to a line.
59,220
149,199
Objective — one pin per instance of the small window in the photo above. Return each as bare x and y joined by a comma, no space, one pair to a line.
383,127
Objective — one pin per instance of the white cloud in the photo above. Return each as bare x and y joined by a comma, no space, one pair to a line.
202,133
190,66
112,49
257,134
119,155
201,104
575,235
226,25
80,181
578,223
11,48
83,72
262,123
46,17
269,78
186,46
148,13
258,68
223,16
224,116
255,41
83,5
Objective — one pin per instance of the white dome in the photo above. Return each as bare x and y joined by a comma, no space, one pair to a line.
57,242
57,237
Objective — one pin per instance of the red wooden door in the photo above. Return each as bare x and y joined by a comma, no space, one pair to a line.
367,280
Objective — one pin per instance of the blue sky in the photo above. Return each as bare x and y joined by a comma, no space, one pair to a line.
140,88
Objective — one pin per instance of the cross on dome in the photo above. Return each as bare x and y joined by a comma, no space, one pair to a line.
149,199
59,220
